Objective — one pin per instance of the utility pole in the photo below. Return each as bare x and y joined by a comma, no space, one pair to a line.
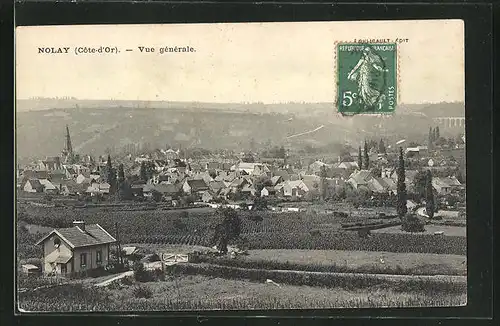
119,254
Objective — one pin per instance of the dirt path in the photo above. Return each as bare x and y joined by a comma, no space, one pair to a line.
117,277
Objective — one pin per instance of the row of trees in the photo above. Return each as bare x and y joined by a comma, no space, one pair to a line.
364,156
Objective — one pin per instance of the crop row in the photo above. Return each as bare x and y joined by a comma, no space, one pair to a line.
390,242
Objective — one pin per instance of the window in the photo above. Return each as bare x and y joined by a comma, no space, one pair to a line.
64,270
98,257
83,260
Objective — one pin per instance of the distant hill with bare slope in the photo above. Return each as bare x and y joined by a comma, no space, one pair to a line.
98,125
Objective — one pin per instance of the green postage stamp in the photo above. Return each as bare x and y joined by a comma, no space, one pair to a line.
366,78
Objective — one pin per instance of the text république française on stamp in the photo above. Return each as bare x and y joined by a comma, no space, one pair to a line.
366,78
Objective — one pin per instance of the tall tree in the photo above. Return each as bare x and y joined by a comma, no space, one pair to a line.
322,185
150,170
143,173
429,196
227,229
381,147
121,176
401,186
111,175
282,152
366,157
430,141
437,133
360,158
420,184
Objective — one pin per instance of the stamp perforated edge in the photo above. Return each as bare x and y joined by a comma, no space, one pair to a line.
336,83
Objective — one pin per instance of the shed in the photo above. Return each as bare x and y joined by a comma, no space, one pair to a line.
30,269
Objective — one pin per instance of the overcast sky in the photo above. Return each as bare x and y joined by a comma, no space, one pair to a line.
270,62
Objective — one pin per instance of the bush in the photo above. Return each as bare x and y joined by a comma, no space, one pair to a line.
127,280
97,272
158,275
140,273
411,223
142,292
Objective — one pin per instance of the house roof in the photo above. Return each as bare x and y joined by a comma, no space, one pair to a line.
207,193
166,188
361,176
376,185
318,165
217,185
36,174
75,237
296,184
225,191
197,184
73,186
47,184
310,177
248,188
311,184
275,179
282,173
34,183
349,165
445,182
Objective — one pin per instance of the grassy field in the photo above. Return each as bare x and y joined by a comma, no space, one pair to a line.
434,263
456,231
203,293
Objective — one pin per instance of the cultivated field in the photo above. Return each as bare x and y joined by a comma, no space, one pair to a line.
195,292
413,263
315,261
260,230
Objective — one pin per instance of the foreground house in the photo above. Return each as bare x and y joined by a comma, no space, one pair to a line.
76,249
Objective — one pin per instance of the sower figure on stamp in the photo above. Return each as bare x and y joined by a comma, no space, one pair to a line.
369,74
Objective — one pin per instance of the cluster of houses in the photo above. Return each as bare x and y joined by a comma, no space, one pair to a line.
225,179
50,176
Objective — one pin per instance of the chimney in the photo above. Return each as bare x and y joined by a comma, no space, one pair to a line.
80,224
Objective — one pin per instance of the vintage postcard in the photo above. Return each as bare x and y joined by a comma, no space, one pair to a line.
309,165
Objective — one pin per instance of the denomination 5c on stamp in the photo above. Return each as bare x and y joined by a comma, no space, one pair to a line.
366,78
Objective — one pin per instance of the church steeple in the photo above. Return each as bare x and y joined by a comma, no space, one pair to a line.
68,148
